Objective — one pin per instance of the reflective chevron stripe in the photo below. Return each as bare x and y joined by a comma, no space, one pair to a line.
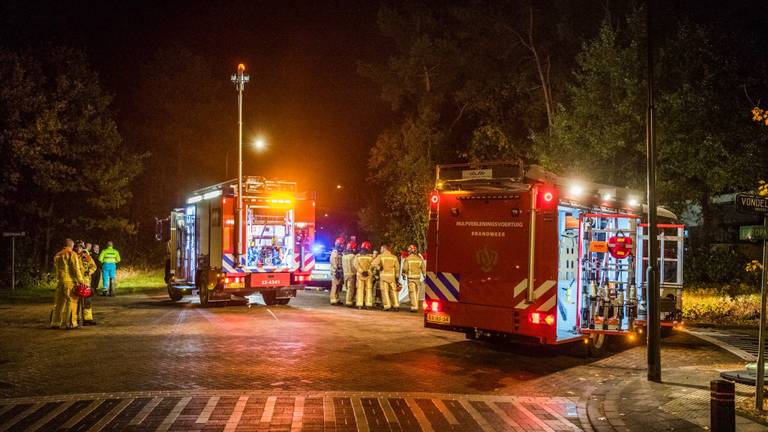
442,286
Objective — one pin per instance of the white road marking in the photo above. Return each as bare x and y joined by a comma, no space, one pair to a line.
419,414
81,415
273,314
269,409
481,421
738,352
114,412
208,410
173,415
445,411
141,415
389,413
21,415
329,411
557,415
531,416
51,415
503,415
237,413
298,414
357,409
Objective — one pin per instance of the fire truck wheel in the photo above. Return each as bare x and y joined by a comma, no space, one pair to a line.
270,297
666,332
596,345
470,334
202,288
174,294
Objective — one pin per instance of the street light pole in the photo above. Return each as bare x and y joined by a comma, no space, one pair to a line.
652,274
239,79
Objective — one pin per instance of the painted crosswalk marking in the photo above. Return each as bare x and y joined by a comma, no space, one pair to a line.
294,411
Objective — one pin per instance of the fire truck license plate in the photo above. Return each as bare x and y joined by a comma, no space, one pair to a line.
270,279
438,318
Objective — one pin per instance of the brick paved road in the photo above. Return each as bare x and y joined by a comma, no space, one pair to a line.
181,357
289,411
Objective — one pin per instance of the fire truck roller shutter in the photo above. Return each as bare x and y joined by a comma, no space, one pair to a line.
216,234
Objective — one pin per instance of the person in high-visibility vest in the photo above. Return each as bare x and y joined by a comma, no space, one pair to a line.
364,274
349,272
337,271
109,259
389,268
66,265
414,269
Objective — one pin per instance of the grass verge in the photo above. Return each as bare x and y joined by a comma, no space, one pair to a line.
129,280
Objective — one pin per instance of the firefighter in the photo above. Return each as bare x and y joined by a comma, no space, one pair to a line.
66,264
364,274
337,270
389,268
96,276
376,281
413,267
349,272
87,268
109,259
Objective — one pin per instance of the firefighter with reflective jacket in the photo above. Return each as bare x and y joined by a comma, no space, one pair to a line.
87,268
348,269
364,274
66,265
414,270
389,268
337,271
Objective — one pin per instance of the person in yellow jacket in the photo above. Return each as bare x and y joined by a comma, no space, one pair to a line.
414,269
66,265
337,271
87,268
389,268
349,272
364,275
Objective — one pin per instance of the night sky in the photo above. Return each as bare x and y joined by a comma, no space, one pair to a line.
305,95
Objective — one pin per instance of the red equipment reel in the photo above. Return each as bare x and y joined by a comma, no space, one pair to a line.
83,290
620,246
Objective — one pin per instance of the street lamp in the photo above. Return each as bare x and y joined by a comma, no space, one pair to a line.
239,79
259,144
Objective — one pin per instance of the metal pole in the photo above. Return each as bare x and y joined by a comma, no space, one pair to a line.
13,263
652,275
760,384
239,79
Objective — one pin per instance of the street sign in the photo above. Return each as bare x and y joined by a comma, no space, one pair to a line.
753,233
14,234
752,203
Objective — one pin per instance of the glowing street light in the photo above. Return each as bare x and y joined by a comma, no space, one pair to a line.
338,186
260,144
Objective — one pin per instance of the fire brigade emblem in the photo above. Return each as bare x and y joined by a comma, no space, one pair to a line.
486,258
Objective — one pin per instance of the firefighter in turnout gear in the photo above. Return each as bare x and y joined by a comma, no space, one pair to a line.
348,268
337,270
389,268
414,269
364,274
87,268
66,266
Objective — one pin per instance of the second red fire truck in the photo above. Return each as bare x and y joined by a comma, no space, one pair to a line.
527,254
277,232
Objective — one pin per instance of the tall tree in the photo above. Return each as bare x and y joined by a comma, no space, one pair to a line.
66,171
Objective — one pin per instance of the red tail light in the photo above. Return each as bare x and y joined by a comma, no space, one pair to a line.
541,318
546,197
434,198
433,306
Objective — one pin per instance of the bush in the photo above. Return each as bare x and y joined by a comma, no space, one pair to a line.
713,305
716,266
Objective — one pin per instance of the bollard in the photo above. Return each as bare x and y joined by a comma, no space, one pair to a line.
722,406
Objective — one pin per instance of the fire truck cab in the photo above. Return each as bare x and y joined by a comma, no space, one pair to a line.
521,252
277,232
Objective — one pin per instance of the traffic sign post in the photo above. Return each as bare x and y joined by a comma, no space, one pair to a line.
13,236
756,204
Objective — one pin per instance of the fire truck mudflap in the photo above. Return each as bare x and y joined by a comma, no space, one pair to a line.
523,254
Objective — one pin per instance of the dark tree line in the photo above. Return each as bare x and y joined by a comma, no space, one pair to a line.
563,84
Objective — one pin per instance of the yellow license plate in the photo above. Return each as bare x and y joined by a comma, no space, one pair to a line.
438,318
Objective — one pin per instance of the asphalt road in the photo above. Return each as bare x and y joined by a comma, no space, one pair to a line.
168,361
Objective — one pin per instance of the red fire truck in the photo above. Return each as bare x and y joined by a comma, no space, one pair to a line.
532,256
277,232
